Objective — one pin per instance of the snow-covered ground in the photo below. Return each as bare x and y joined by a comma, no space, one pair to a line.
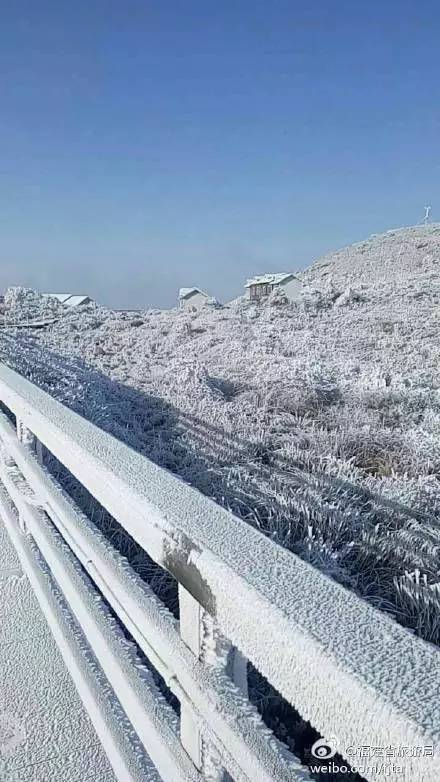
45,734
317,423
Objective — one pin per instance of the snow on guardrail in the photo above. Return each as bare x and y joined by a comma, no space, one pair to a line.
351,671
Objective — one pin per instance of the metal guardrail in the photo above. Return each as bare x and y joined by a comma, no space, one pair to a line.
39,323
351,671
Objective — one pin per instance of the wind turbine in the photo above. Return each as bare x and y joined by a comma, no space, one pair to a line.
426,215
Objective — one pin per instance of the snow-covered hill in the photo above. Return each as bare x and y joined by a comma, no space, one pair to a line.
407,252
319,422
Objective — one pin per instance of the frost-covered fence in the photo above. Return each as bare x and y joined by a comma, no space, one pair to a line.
357,676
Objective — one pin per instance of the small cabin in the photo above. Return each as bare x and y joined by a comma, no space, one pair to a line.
193,299
261,286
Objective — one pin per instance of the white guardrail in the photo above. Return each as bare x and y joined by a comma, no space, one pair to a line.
351,671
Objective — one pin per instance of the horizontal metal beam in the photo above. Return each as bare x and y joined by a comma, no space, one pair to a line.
91,684
248,749
142,702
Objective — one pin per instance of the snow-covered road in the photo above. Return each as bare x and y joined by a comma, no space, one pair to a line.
45,734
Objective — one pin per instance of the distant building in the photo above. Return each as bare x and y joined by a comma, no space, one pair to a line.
262,285
193,299
70,299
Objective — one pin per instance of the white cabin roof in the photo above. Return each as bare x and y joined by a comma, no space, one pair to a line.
75,301
70,299
184,293
62,297
269,279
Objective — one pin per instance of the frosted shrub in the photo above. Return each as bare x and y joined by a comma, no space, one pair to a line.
319,299
278,298
25,304
307,393
226,389
420,600
397,407
349,296
378,453
324,389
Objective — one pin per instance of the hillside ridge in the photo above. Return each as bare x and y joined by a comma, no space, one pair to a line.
411,251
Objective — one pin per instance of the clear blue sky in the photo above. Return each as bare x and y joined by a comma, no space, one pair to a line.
151,144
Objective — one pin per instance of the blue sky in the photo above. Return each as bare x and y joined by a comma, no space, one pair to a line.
148,145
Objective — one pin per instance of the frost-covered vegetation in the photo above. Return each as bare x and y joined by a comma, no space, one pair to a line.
318,423
21,305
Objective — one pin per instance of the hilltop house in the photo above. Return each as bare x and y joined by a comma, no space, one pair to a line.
193,299
262,285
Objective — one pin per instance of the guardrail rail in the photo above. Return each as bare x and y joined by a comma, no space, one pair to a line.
351,671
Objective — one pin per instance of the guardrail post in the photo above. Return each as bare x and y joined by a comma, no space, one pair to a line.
28,438
199,632
25,435
191,633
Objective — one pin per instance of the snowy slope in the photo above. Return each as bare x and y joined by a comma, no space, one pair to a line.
318,423
408,252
